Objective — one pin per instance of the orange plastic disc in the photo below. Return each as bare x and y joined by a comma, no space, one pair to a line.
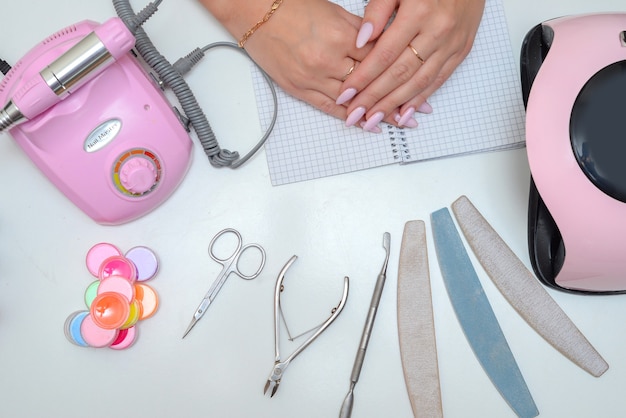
110,310
148,298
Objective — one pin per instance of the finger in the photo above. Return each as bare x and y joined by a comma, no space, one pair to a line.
405,116
445,73
321,97
419,102
394,76
406,78
351,65
324,103
376,16
360,54
355,22
387,108
416,103
395,118
385,51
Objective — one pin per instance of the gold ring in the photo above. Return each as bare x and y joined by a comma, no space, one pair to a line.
349,71
417,54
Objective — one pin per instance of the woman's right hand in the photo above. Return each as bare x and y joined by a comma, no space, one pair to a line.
413,56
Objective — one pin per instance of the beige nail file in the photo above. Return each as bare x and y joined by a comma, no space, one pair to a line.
416,327
523,291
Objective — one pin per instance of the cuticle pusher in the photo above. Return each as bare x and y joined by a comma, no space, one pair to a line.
346,407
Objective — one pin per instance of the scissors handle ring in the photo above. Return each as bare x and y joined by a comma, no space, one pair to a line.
231,263
234,254
258,271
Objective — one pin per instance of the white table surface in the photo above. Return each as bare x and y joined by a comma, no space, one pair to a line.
334,225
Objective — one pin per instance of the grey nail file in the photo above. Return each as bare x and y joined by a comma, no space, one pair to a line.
523,291
476,317
416,325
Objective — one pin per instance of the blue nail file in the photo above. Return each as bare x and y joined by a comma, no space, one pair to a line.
476,317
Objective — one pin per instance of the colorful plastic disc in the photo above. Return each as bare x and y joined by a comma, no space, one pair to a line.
91,292
126,340
96,336
109,310
118,265
72,328
136,310
120,337
97,254
146,262
118,300
117,284
148,298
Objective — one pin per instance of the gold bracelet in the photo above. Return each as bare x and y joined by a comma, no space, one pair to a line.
258,24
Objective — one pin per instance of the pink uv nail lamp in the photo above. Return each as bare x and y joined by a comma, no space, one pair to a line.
115,147
574,85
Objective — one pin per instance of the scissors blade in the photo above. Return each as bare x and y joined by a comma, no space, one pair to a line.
193,322
200,311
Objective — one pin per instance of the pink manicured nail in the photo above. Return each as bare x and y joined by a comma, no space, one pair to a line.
364,35
355,116
346,95
425,108
411,123
375,129
408,114
373,121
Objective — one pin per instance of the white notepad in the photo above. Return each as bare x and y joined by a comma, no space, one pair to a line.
478,109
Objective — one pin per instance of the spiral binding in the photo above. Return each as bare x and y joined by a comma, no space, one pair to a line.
399,145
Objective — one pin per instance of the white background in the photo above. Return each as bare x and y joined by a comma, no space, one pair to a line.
334,225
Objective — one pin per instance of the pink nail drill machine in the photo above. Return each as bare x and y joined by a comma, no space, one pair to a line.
88,115
574,85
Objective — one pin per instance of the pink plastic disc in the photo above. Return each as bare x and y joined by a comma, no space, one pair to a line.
97,254
126,339
120,337
119,285
118,266
95,336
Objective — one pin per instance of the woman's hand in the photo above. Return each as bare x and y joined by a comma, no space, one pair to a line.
412,57
307,46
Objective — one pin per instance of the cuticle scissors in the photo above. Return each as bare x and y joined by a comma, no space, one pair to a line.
230,265
279,366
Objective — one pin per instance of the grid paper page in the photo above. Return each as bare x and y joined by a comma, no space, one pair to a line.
478,109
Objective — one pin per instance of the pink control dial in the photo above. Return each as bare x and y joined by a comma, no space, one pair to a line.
138,175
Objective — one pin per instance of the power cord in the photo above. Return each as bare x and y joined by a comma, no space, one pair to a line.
172,76
185,64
